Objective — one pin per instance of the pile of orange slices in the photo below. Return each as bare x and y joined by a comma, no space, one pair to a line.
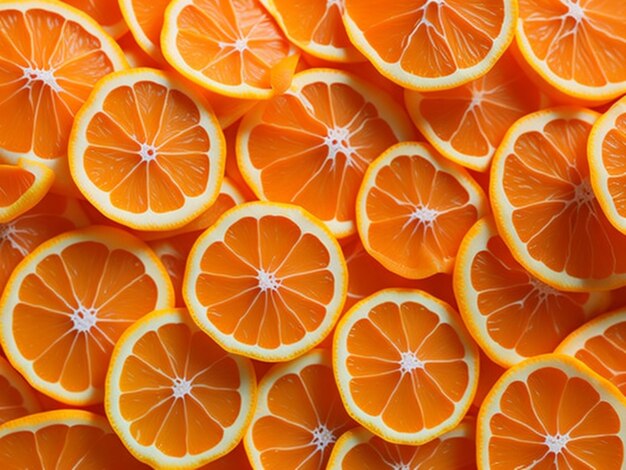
307,235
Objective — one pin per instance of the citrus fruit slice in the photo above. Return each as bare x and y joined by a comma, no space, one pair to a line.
605,151
63,439
431,44
358,448
67,302
105,12
53,215
601,344
228,197
298,416
466,124
267,281
52,55
146,151
175,398
413,209
17,398
552,411
145,22
544,206
135,55
316,27
173,257
509,312
22,186
229,47
576,47
406,367
311,145
235,459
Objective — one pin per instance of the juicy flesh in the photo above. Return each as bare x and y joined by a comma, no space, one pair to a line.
14,182
522,313
613,151
81,299
459,33
553,419
104,12
49,65
149,14
578,40
406,366
148,149
552,207
266,283
305,419
418,215
179,391
235,43
312,148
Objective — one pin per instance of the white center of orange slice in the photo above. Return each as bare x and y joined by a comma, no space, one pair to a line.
401,466
322,438
267,281
557,442
84,319
181,387
583,194
543,290
33,75
11,234
575,11
147,152
424,215
240,44
409,362
337,142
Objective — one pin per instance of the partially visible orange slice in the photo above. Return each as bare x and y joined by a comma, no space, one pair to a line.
358,449
68,301
406,367
63,439
316,27
267,281
146,150
311,145
545,208
552,412
431,44
229,47
601,344
299,415
175,398
413,209
22,186
105,12
53,54
17,397
467,123
508,311
606,151
145,21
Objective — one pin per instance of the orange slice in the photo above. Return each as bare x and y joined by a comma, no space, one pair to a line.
575,47
467,123
552,412
135,55
601,344
509,312
105,12
311,145
358,449
78,291
431,44
52,55
175,398
228,197
236,459
145,21
63,439
267,281
316,27
605,151
146,151
544,206
17,398
52,216
298,416
22,186
413,209
406,367
226,46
